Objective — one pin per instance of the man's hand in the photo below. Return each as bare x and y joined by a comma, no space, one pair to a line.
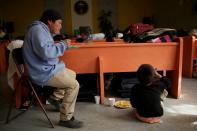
157,75
67,41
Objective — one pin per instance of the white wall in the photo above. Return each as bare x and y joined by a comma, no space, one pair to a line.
81,20
109,5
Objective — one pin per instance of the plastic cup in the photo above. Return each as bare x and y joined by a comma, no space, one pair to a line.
97,99
111,101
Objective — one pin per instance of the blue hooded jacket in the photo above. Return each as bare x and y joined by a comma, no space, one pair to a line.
40,53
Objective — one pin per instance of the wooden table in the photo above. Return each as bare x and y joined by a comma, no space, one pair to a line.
189,54
120,57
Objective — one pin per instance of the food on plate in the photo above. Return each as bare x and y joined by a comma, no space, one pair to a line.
122,104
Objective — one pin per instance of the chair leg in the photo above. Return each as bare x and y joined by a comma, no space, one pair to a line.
41,105
10,110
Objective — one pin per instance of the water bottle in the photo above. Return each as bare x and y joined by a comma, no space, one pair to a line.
89,34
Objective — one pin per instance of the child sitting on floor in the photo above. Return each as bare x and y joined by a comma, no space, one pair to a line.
147,96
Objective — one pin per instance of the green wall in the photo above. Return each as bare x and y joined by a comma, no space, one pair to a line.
133,11
24,12
176,14
21,13
166,13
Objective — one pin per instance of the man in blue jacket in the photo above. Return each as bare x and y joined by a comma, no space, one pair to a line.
41,56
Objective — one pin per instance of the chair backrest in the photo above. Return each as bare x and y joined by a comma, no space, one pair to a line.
17,55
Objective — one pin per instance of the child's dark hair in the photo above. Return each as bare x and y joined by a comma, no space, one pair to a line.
145,74
51,15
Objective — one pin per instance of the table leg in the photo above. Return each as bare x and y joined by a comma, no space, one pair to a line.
101,80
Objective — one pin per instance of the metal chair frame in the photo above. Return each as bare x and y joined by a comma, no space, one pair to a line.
17,55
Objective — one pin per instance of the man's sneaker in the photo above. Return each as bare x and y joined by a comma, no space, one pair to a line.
55,103
72,123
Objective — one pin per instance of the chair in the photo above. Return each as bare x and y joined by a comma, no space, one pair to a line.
19,61
85,30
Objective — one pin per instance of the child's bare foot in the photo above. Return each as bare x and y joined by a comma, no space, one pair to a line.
150,120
